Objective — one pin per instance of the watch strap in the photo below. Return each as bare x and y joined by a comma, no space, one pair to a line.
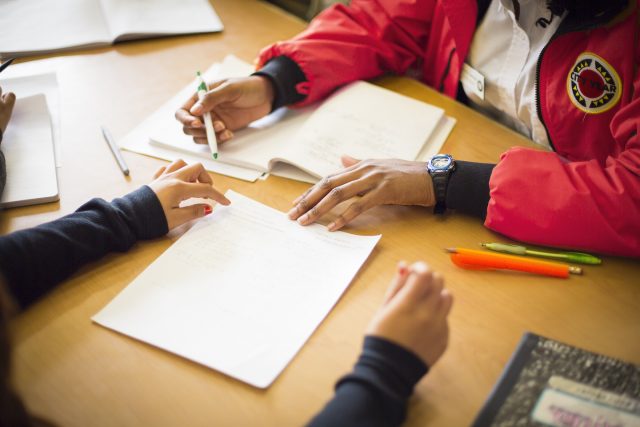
440,180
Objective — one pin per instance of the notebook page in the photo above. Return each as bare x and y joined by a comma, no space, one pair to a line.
28,149
241,291
46,25
129,19
364,121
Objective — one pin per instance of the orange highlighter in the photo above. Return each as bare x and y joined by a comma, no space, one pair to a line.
472,259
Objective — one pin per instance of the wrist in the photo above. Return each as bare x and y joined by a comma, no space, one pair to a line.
428,191
266,87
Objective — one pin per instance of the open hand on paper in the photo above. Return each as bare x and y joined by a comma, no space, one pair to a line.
414,312
7,101
233,103
178,182
370,183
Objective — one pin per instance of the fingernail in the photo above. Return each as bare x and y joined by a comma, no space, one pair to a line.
226,202
292,213
196,123
303,219
227,134
208,209
218,126
332,226
196,109
402,268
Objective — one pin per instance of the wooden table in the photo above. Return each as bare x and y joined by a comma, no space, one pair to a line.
79,374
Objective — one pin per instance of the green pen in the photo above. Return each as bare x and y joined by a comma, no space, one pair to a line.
577,257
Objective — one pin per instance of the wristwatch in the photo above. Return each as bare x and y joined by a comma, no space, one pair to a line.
440,167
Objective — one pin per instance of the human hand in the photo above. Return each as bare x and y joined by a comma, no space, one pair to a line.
7,101
178,182
377,182
414,312
233,103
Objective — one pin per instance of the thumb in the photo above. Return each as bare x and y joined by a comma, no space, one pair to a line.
222,93
348,161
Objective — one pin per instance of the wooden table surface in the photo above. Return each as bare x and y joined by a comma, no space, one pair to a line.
79,374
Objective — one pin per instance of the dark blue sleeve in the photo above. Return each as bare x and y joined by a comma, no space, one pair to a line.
285,75
34,260
376,392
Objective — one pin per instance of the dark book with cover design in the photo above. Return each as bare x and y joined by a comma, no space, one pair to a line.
549,383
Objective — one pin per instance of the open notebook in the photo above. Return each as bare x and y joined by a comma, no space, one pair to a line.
29,27
361,120
28,149
241,291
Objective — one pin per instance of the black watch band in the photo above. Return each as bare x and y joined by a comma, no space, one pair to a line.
440,168
440,181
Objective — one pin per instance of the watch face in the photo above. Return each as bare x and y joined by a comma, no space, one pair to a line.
440,162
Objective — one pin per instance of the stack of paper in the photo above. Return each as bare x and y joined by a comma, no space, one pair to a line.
241,291
28,149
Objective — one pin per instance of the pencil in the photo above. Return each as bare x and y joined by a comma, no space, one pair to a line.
115,151
481,260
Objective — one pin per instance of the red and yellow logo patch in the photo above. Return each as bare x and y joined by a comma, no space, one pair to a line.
593,85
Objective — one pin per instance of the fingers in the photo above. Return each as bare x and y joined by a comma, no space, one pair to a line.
183,115
348,161
175,165
318,191
159,172
179,216
425,289
420,280
354,209
193,173
331,199
187,190
9,99
222,93
446,302
398,281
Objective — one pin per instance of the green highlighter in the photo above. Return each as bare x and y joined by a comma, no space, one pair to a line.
576,257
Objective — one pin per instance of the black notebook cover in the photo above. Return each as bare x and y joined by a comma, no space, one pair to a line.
549,383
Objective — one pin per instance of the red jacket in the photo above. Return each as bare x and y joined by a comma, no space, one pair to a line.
586,195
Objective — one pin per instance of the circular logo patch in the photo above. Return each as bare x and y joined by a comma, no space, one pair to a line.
593,85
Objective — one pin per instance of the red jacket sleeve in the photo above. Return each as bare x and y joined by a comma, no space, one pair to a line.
362,41
537,197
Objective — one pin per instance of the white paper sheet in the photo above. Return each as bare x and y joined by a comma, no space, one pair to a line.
240,292
33,84
28,149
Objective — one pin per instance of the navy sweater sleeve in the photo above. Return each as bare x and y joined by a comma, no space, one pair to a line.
375,394
34,260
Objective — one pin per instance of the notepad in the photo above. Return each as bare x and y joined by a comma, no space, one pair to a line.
24,85
361,120
29,27
241,291
28,149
